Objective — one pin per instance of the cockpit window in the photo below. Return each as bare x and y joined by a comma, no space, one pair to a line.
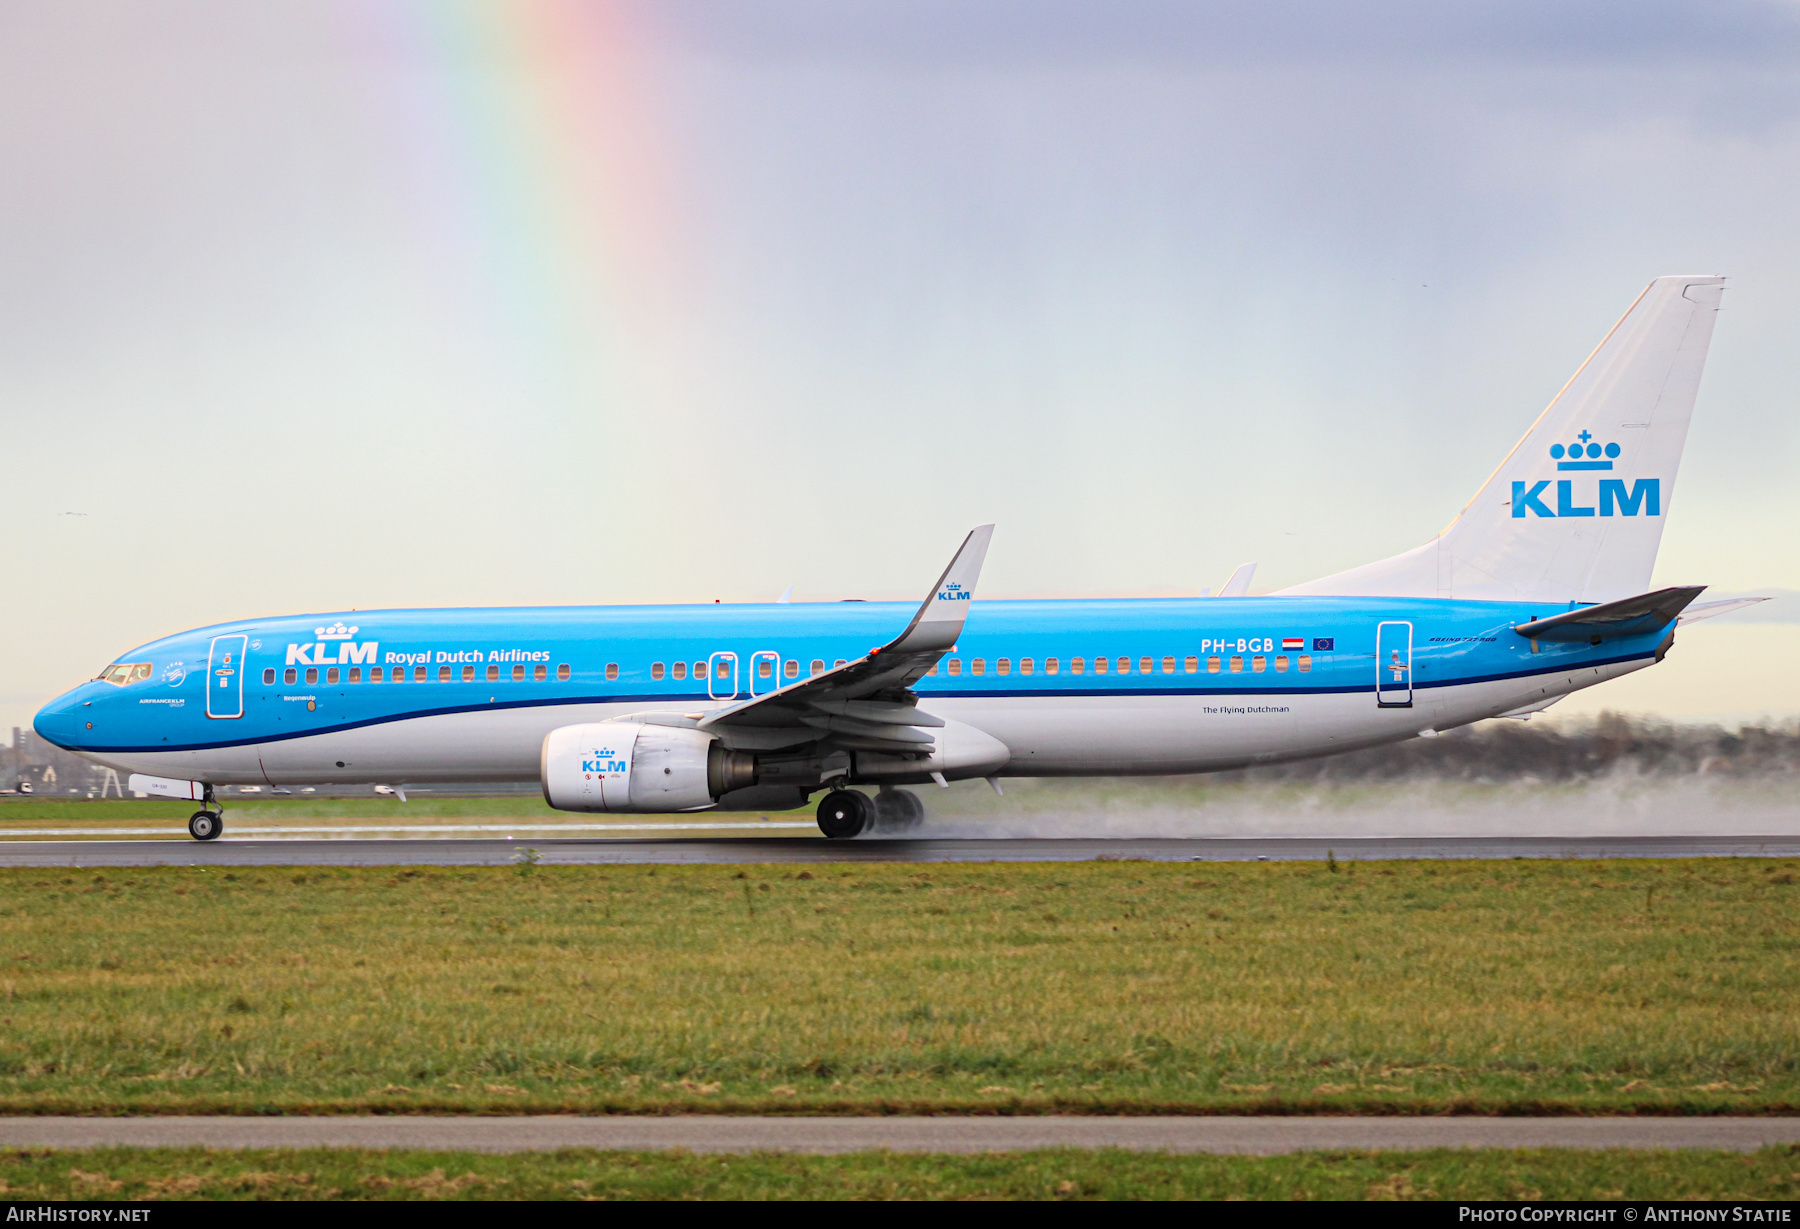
125,672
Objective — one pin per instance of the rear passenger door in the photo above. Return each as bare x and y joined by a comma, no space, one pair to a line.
1393,665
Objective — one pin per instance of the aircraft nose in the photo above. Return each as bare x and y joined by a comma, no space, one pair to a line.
60,721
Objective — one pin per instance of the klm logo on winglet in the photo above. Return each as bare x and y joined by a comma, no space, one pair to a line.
954,593
1643,495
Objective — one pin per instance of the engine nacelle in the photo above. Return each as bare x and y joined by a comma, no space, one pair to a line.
628,766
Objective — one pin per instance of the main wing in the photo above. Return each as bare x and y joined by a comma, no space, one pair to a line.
866,704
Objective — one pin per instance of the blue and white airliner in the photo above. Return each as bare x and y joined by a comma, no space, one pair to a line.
1538,588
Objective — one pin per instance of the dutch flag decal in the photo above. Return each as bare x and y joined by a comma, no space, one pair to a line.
1292,644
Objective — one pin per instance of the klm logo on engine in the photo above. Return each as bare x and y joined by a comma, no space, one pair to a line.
604,762
336,646
1613,496
954,593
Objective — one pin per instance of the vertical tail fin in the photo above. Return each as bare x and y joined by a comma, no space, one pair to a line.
1575,512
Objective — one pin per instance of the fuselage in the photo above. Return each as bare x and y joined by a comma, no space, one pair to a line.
1077,687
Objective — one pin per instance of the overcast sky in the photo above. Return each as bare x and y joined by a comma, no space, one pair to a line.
310,306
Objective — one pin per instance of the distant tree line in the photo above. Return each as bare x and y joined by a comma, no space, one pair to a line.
1612,743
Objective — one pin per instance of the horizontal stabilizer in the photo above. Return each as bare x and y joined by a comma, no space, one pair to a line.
1629,616
1706,610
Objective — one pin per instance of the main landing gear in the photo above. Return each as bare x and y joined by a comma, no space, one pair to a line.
206,823
844,813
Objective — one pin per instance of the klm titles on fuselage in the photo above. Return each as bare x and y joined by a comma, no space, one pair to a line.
1613,496
336,646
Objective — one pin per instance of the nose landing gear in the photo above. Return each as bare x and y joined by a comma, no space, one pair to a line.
206,823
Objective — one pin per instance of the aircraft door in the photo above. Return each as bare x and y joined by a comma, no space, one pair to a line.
765,671
1393,665
721,676
225,677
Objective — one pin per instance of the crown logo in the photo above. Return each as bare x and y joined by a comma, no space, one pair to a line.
337,631
605,753
1584,453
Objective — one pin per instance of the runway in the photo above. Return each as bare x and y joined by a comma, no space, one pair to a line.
563,851
703,1133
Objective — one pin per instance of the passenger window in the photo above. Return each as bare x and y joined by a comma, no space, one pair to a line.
839,662
562,673
443,674
612,671
356,674
656,670
1101,664
791,668
1145,665
289,676
1051,665
1125,665
1304,662
1281,665
818,667
331,675
929,673
1168,665
493,674
678,670
468,674
1237,665
269,677
764,668
519,673
1003,666
953,666
1077,665
312,676
1191,665
1212,665
699,669
419,673
1025,665
1259,663
978,666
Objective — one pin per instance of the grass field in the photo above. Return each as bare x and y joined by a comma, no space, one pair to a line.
171,1173
1542,986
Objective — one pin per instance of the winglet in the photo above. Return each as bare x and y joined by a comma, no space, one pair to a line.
1239,584
940,619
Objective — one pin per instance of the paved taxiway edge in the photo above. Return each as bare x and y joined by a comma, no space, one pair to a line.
746,850
1259,1136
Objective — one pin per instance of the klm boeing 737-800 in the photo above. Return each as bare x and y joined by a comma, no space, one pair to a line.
1538,588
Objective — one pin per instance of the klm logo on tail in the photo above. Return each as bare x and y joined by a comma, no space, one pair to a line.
955,593
1615,498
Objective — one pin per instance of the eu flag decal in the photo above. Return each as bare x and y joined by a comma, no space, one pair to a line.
1324,644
